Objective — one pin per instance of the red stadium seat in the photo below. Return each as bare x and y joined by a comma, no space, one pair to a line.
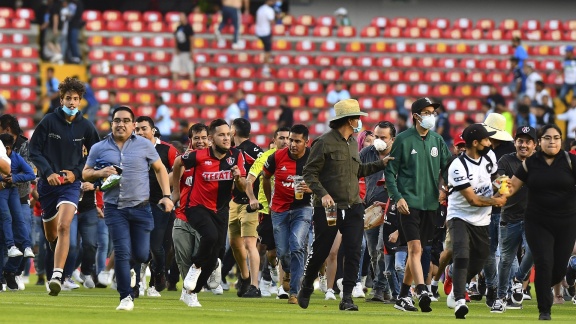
488,64
142,84
289,88
413,76
131,15
210,113
303,116
386,62
286,73
227,86
207,99
438,48
475,34
26,81
298,30
312,88
150,16
380,89
367,102
136,27
160,56
393,32
111,15
482,49
24,108
317,102
122,83
282,59
530,25
186,98
420,22
485,24
421,90
434,77
371,75
569,25
427,62
352,75
455,76
6,66
26,94
19,39
306,20
329,21
8,53
476,77
6,12
224,72
496,77
358,89
471,104
20,23
379,22
419,47
288,20
27,67
241,58
146,111
245,72
509,24
322,31
118,56
270,101
25,13
223,58
442,90
571,35
401,22
554,35
187,113
553,24
116,41
346,31
378,47
95,25
305,46
482,91
137,41
330,74
303,60
172,16
6,80
91,15
460,48
538,50
5,23
463,90
268,87
552,65
370,32
346,61
330,46
463,23
503,49
139,56
393,75
434,33
355,47
385,103
28,52
307,74
451,104
440,23
281,45
406,61
278,30
401,89
399,47
495,34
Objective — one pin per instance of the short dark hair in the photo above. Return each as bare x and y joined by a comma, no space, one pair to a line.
123,108
216,123
300,129
145,119
71,85
573,143
242,127
335,124
514,59
7,140
10,121
50,69
389,125
546,127
281,129
197,128
157,132
540,83
112,93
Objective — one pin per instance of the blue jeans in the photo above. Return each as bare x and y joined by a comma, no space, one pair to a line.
565,89
161,220
234,15
490,271
400,258
73,42
362,252
512,236
102,250
375,244
38,233
130,231
28,221
391,275
91,111
87,227
291,230
13,222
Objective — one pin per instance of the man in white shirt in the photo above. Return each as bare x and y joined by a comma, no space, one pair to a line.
569,69
570,117
232,112
469,207
531,78
264,22
163,119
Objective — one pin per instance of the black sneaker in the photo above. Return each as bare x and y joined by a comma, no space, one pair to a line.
510,304
243,286
348,305
160,281
571,290
304,296
481,285
424,302
435,292
544,317
10,278
474,293
405,304
252,292
499,306
378,296
528,294
517,292
41,281
99,285
171,286
490,296
136,291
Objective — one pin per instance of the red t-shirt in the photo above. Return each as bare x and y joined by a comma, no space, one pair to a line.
213,179
284,167
362,184
186,182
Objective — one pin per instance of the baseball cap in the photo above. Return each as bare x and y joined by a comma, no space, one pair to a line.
476,132
569,48
526,130
421,103
459,140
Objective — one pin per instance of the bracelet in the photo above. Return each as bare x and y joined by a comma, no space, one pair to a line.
167,196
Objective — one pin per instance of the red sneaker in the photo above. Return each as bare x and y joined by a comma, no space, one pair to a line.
447,281
467,297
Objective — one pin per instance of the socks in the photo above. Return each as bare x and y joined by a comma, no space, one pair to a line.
57,273
434,283
429,287
404,290
420,288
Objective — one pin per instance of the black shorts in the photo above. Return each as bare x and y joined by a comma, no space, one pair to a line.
266,231
266,42
437,245
418,225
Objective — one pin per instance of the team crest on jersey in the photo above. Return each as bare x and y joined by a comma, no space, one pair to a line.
208,162
489,167
230,160
434,151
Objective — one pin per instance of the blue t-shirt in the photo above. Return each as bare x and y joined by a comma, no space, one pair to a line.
243,105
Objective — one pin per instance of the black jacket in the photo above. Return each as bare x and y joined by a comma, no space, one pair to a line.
56,144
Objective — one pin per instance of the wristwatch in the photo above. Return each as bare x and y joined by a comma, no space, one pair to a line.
167,196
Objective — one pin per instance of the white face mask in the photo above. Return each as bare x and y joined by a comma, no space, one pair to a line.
380,145
428,121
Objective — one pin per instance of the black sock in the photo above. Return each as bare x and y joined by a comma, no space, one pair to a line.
420,288
404,290
346,296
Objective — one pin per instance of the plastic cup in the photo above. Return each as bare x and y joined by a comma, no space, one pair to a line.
298,193
331,215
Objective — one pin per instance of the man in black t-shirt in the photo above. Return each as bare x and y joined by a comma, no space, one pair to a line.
183,61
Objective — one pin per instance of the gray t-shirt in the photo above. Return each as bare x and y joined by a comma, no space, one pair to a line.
515,207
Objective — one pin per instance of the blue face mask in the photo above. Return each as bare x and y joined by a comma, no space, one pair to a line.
68,111
428,121
359,128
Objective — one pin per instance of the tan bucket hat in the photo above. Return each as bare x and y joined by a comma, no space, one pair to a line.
346,108
497,122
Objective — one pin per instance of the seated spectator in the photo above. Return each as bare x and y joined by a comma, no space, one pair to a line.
342,18
279,13
337,94
183,59
542,96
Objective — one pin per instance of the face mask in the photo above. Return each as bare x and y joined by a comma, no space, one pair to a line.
380,145
428,121
359,128
68,111
484,151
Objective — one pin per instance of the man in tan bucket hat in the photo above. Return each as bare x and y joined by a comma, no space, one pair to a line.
332,172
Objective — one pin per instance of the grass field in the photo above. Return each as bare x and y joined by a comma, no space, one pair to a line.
98,306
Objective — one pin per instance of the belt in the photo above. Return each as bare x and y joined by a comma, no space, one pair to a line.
142,204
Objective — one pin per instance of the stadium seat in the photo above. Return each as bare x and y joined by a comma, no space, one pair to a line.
371,75
19,39
245,72
163,71
370,32
438,48
509,24
150,16
7,66
187,113
358,89
160,56
379,22
432,33
116,41
391,75
485,24
241,58
305,46
298,30
286,73
482,49
306,20
476,77
488,64
440,23
19,23
318,102
303,116
496,77
8,53
346,31
185,98
554,35
146,111
224,72
28,52
386,62
386,103
471,104
330,46
172,16
427,62
307,74
227,86
6,12
412,32
312,88
131,15
289,88
278,30
210,113
401,22
463,23
24,108
460,49
421,90
419,47
355,47
139,56
5,23
26,81
281,45
270,101
530,25
267,87
324,60
451,104
475,34
539,50
111,15
553,24
552,65
413,76
406,61
122,83
393,32
345,61
367,102
442,90
282,59
463,90
6,80
329,21
223,58
401,89
400,47
330,74
322,31
434,77
144,84
27,67
26,94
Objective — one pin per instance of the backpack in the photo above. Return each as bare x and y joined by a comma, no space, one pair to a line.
565,154
461,158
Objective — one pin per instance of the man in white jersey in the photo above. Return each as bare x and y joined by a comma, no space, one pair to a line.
469,207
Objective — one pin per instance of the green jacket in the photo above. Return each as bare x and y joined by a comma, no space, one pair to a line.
334,168
415,170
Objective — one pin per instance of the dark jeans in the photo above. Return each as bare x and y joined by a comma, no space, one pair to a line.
375,245
490,266
551,241
212,228
511,238
73,34
470,245
161,220
84,226
130,231
232,14
350,223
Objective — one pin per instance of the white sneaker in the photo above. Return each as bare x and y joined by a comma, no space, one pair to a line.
517,295
330,295
184,296
574,300
357,291
4,287
69,284
132,278
432,298
274,272
225,285
192,278
218,35
499,306
126,304
14,252
281,293
26,279
20,282
461,309
28,253
218,290
215,277
450,301
104,278
88,281
114,284
76,276
235,46
193,300
273,289
264,288
340,287
323,280
151,292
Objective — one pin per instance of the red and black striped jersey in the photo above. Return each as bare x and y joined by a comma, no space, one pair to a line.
168,154
213,179
284,167
251,152
186,182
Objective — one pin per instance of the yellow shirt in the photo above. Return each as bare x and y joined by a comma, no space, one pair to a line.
256,170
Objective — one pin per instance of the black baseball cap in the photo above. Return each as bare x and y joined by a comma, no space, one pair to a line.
421,103
476,132
526,130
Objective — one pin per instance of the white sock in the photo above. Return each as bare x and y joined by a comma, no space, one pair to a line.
434,283
429,287
57,273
